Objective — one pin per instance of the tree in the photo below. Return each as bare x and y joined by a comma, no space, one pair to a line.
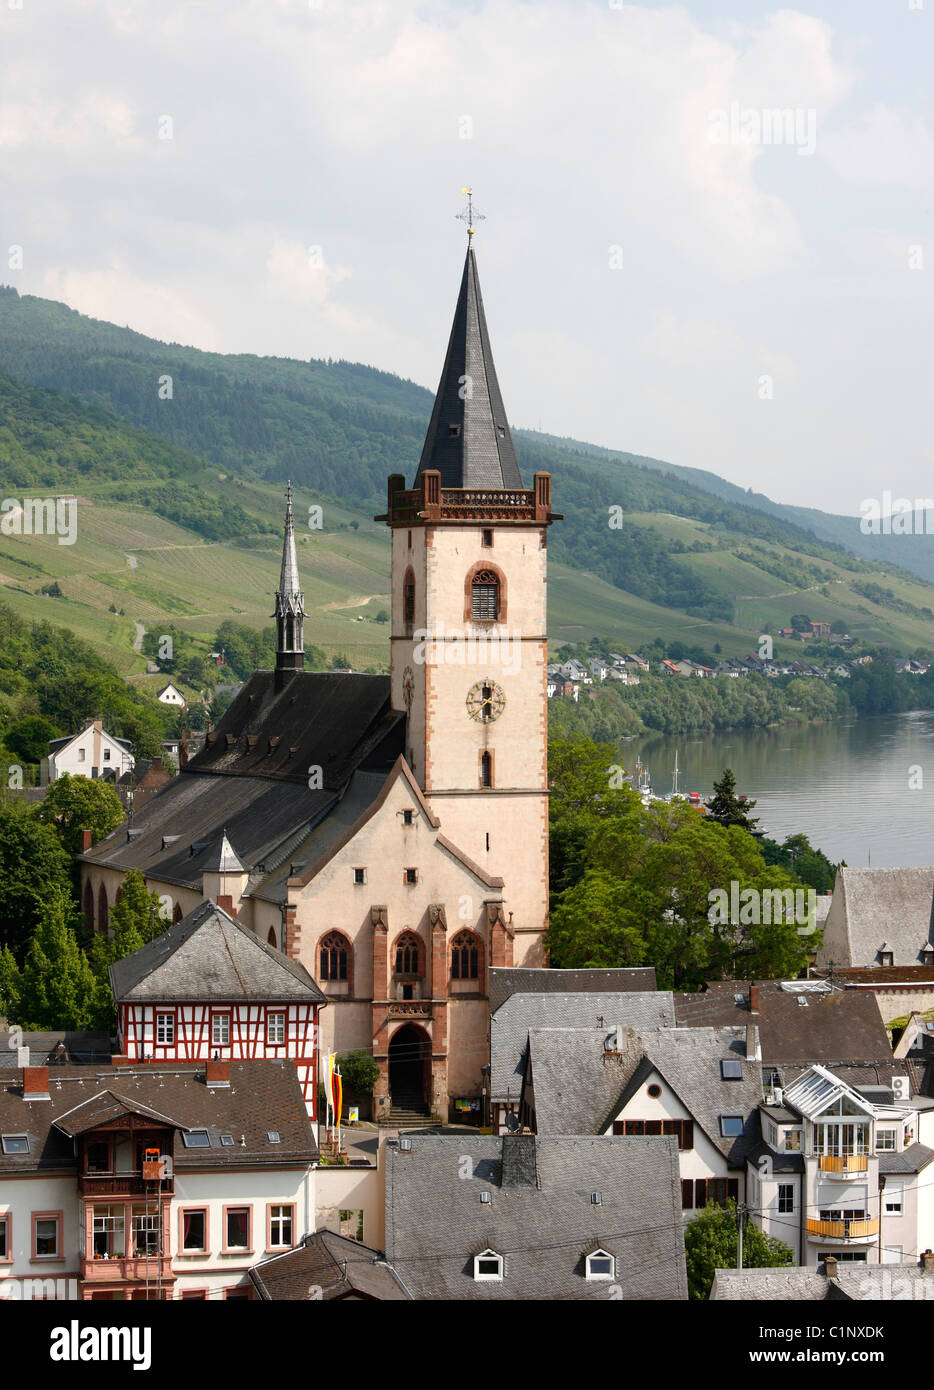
382,616
726,808
58,988
29,737
11,985
711,1243
359,1072
74,804
800,622
33,868
135,918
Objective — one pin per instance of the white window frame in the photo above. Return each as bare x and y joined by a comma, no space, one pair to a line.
785,1187
217,1018
162,1017
277,1017
600,1255
891,1132
276,1218
893,1192
486,1256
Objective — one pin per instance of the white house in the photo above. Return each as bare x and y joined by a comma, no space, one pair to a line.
153,1182
91,753
171,695
845,1172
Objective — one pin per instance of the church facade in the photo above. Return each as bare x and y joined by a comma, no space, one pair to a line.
391,835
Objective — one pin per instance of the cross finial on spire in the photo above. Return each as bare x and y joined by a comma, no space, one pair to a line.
470,214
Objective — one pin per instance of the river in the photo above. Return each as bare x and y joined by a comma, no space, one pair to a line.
847,785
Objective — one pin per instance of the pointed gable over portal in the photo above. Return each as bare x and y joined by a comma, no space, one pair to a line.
468,439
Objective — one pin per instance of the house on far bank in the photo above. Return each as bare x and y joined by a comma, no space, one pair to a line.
171,695
91,753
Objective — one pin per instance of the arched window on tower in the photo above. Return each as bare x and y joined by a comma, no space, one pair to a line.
272,937
177,913
335,958
465,956
486,769
484,597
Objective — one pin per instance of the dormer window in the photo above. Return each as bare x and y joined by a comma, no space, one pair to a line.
601,1265
887,958
488,1265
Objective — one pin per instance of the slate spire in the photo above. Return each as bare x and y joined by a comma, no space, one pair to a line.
468,439
290,601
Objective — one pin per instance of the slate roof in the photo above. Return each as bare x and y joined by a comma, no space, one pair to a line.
57,1049
468,439
209,955
834,1028
262,1096
511,1023
872,906
506,980
579,1089
327,1267
436,1222
250,780
911,1160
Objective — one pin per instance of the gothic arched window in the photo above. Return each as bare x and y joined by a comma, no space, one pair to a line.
408,955
103,910
177,913
486,769
465,956
89,904
335,953
272,936
484,596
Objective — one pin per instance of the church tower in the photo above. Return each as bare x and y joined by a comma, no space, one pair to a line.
469,647
290,605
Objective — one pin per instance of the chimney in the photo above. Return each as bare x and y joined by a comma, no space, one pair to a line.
753,999
830,1266
35,1083
225,901
519,1161
86,840
217,1074
927,1259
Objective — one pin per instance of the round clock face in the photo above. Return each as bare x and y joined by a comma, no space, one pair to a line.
408,686
485,701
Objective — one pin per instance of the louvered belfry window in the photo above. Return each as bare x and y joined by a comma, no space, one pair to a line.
484,594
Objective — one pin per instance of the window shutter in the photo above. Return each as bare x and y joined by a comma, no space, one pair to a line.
687,1194
732,1189
653,1126
700,1192
687,1134
619,1126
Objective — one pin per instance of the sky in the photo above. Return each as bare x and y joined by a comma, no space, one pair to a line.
666,269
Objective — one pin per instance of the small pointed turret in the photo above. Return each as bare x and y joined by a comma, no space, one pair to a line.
290,602
468,439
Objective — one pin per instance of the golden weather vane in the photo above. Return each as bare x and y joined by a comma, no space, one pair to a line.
470,214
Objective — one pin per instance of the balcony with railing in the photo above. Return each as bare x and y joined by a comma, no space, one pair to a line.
858,1231
125,1269
430,501
844,1165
